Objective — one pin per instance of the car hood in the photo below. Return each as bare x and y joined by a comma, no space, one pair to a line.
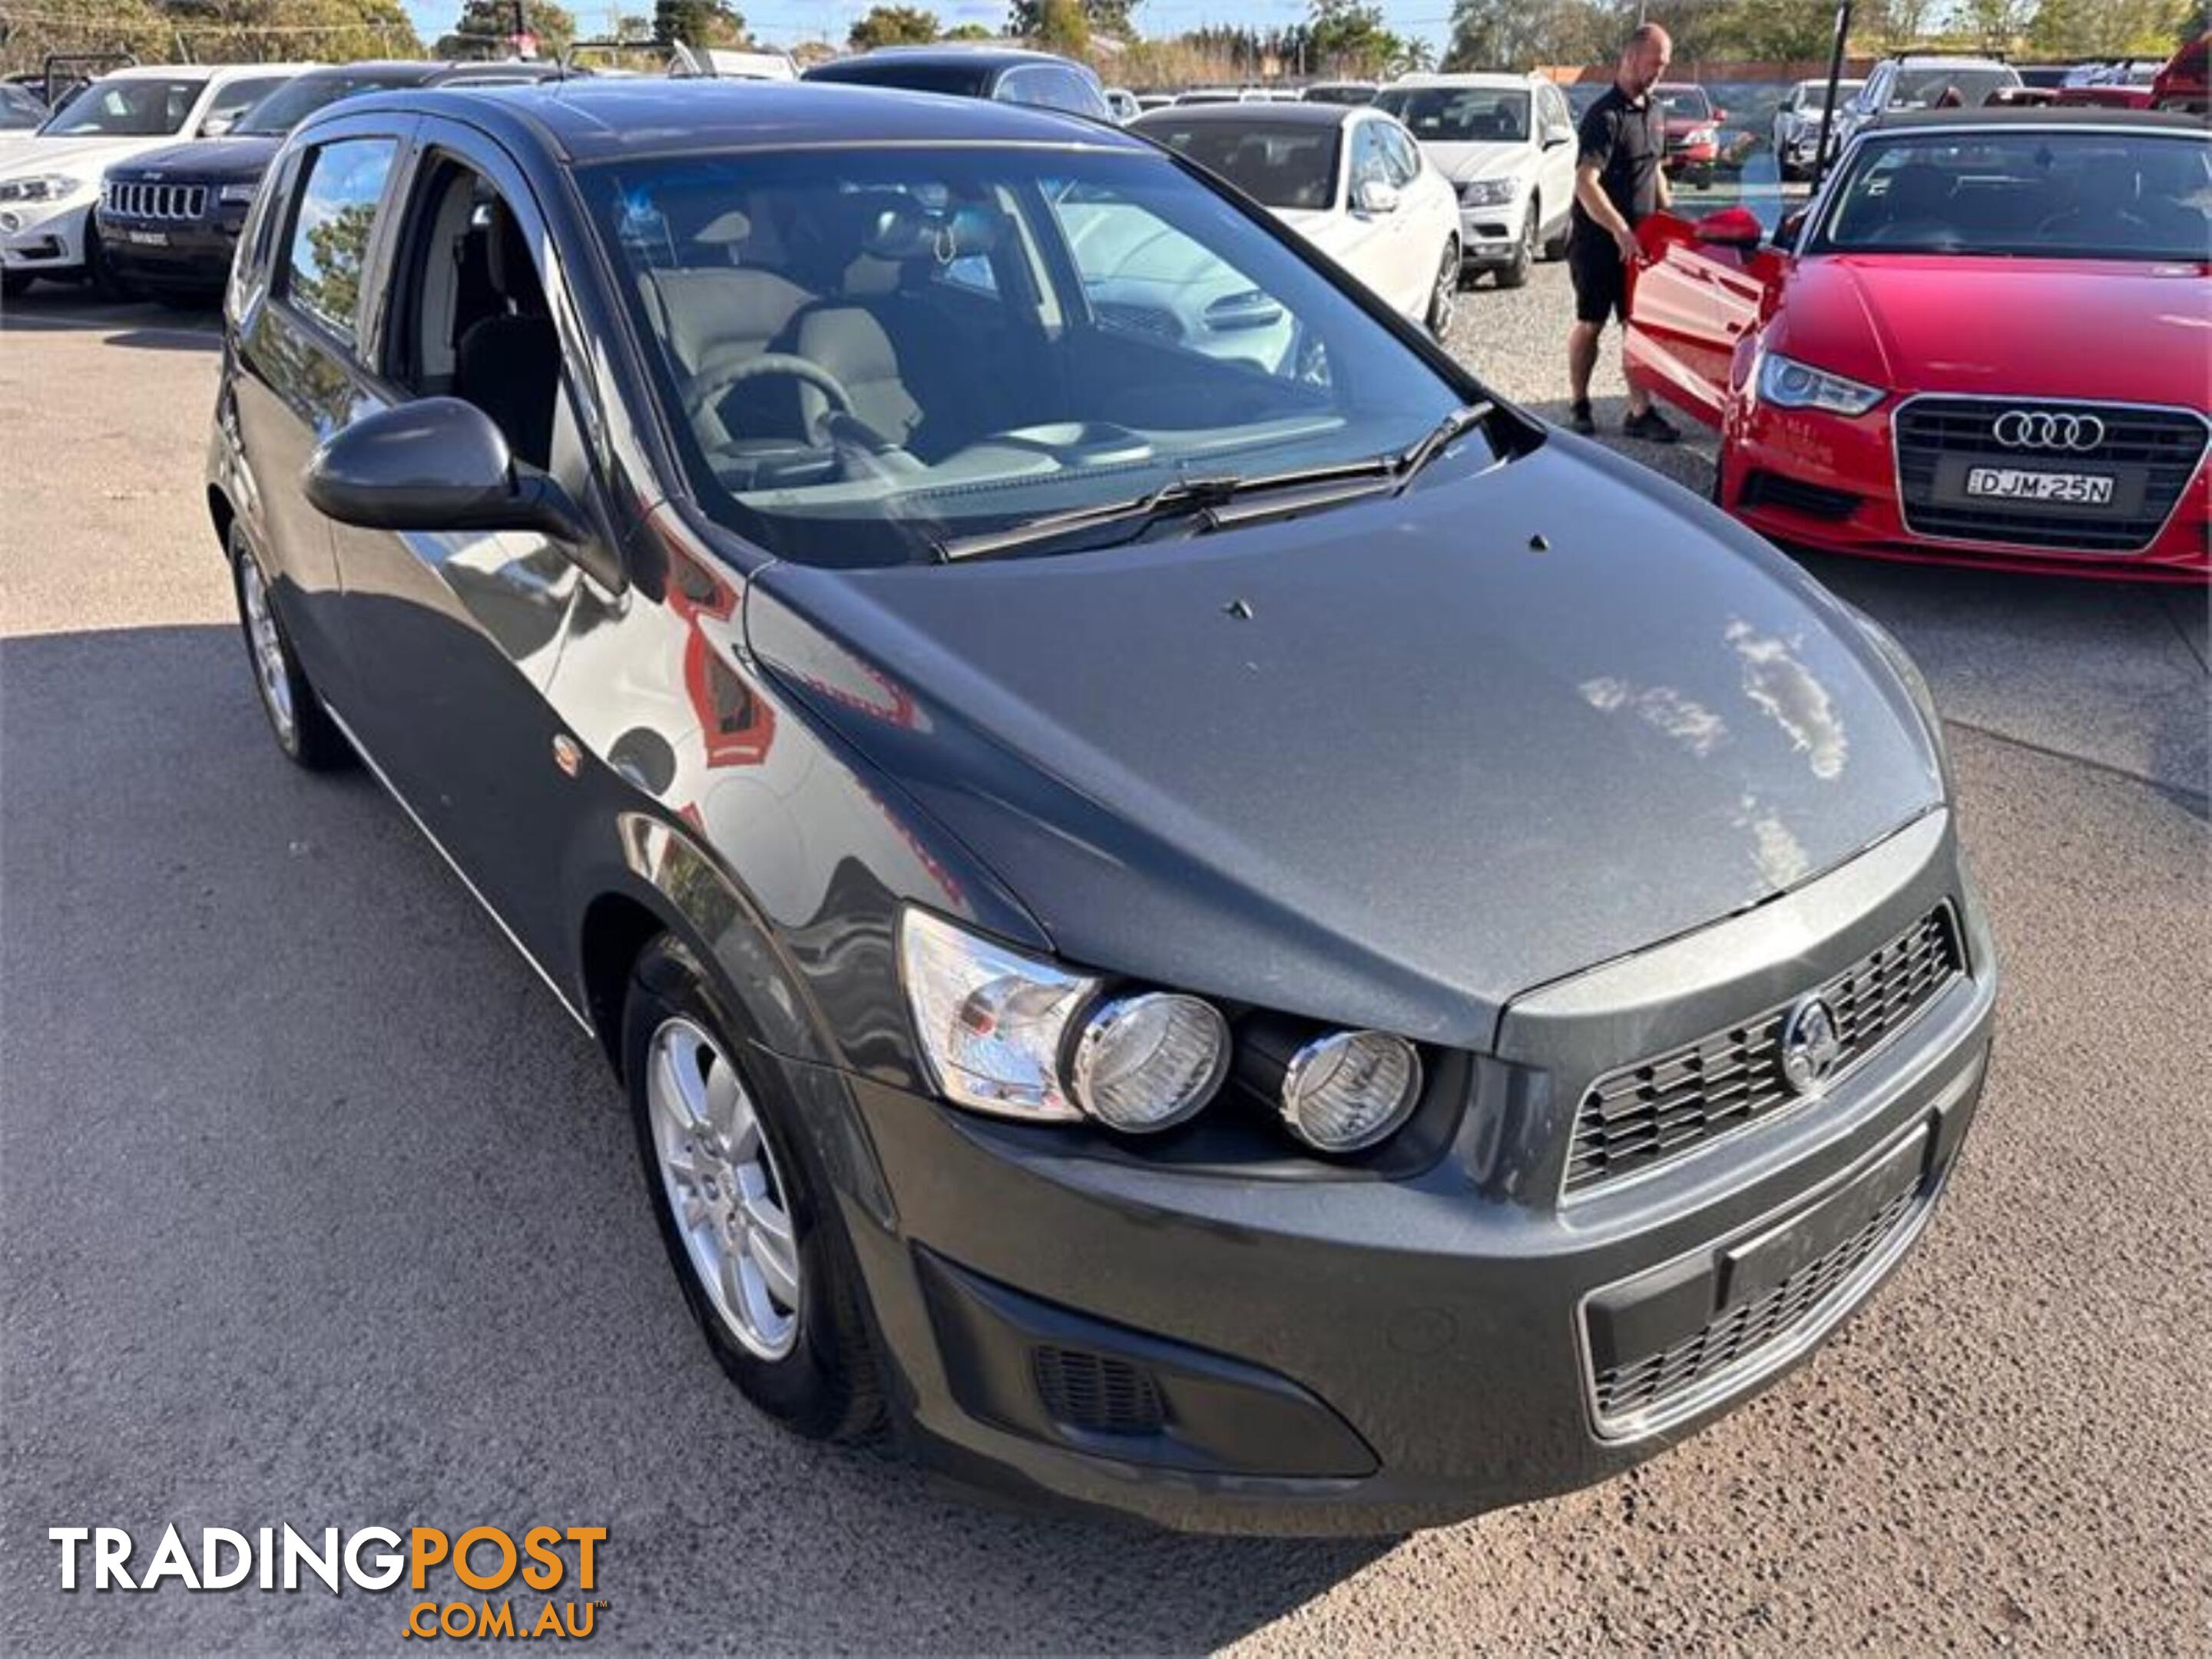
1436,765
85,155
1462,163
211,161
2054,328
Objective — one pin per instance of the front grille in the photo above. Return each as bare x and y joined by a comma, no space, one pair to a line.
1764,488
169,202
1737,1336
1096,1392
1643,1115
2167,443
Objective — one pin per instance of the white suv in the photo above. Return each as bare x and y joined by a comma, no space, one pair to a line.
1922,83
49,182
1506,142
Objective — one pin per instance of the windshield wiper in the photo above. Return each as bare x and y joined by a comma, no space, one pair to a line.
1438,438
1189,497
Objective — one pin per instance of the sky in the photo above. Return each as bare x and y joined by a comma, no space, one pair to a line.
781,22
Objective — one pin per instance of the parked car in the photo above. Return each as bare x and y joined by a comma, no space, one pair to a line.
1348,178
1004,73
1254,949
730,64
1693,132
21,110
2120,85
1506,142
169,218
2181,84
1340,92
1796,132
1235,95
1150,100
1982,344
1123,104
48,183
1914,82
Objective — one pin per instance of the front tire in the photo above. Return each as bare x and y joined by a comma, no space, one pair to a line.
1514,272
14,284
100,275
745,1210
297,719
1443,295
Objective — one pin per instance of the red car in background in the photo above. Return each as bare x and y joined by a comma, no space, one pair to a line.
1985,341
2181,84
1693,129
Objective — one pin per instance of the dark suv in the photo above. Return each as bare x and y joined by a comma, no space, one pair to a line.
1213,921
169,218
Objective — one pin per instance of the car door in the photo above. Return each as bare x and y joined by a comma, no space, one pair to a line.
1691,302
296,323
454,636
1366,240
1427,218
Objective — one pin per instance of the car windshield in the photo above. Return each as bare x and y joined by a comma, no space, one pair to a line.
1684,103
820,321
293,102
133,106
1279,164
2049,194
1460,115
18,109
1958,87
956,80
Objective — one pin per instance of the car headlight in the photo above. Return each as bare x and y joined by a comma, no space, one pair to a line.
1485,193
991,1020
1148,1062
43,187
1347,1091
1703,136
1788,383
237,195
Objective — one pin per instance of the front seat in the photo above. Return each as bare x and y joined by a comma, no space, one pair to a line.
508,364
715,314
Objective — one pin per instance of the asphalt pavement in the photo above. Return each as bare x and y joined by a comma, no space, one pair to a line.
315,1208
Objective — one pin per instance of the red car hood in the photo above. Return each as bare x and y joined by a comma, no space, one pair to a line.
2060,328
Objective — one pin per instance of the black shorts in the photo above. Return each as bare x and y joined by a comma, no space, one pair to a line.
1600,278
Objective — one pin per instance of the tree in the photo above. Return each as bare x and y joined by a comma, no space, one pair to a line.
245,31
1994,24
1349,38
1035,20
485,25
893,26
970,31
697,23
2109,28
1061,26
1521,34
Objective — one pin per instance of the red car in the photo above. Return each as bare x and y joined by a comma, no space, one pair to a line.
1693,129
1985,341
2117,86
2181,84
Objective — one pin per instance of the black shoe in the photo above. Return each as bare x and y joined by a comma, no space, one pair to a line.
1650,426
1581,421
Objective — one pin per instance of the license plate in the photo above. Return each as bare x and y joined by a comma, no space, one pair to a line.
148,238
2012,483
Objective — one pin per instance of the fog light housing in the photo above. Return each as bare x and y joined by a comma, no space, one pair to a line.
1347,1091
1145,1063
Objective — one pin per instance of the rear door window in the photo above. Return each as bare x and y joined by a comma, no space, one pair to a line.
331,230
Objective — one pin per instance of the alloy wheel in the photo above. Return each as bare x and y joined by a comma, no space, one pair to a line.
1444,300
729,1201
270,669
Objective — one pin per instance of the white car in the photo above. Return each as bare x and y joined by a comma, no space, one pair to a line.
1918,81
1348,178
1506,144
49,181
1797,123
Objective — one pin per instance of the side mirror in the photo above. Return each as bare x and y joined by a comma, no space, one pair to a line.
1719,114
1735,228
1554,137
1374,196
215,125
437,464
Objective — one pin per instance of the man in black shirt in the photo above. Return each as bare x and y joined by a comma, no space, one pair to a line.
1618,182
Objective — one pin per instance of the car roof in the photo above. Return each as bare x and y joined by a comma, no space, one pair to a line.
590,120
1286,113
1461,78
985,57
188,71
1948,60
2045,115
417,71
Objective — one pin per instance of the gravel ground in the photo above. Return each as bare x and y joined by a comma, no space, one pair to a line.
314,1208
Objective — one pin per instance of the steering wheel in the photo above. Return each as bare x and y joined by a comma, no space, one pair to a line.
715,382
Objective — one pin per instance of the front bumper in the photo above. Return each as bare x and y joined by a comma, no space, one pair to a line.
1339,1351
1490,235
1829,484
168,255
45,238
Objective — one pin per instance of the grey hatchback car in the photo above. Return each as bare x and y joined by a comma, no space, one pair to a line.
1196,915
